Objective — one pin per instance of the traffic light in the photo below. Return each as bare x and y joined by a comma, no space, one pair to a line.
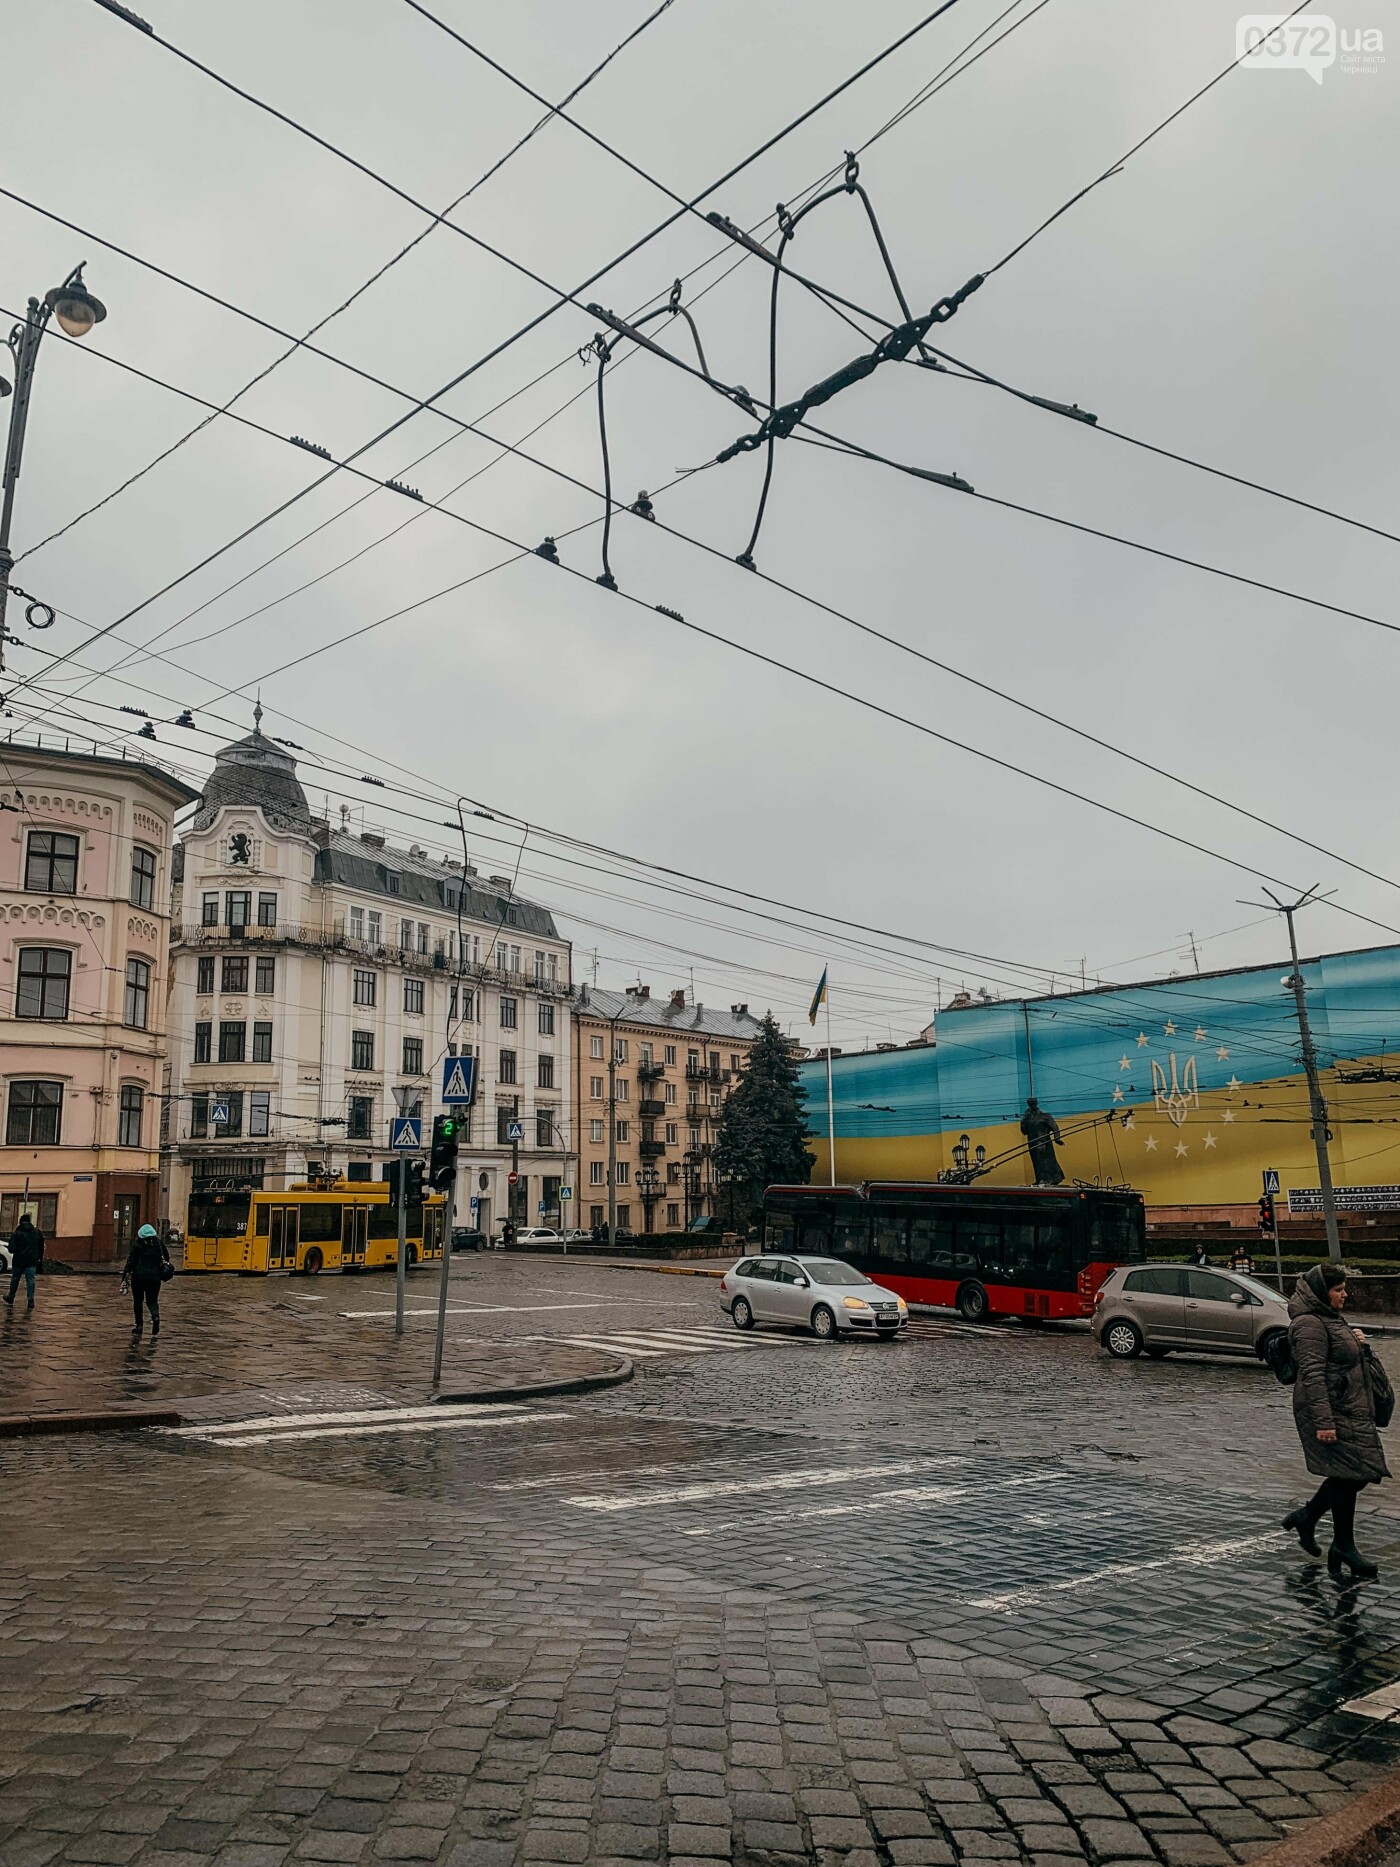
442,1163
413,1190
1266,1214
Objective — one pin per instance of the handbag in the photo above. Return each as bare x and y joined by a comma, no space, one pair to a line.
167,1271
1382,1393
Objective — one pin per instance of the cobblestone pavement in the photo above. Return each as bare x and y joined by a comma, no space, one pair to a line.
963,1598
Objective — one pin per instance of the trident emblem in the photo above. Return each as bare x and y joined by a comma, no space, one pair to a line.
1175,1098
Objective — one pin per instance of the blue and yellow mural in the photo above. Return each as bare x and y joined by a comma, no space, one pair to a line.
1185,1088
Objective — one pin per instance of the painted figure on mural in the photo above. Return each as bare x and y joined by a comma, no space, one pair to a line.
1043,1135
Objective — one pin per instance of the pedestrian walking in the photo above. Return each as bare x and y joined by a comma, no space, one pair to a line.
1334,1409
147,1267
26,1255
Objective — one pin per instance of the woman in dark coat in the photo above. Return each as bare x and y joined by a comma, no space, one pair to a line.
1335,1414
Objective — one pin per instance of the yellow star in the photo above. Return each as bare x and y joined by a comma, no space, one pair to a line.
1142,1039
1200,1033
1209,1140
1151,1144
1124,1064
1181,1148
1222,1055
1169,1028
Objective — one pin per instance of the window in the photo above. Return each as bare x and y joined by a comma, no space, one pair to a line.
673,1172
733,1064
538,967
203,1036
406,936
595,1047
42,1206
597,1173
671,1133
51,863
259,1111
513,955
376,928
129,1108
359,1118
545,1072
468,1005
211,911
595,1088
41,990
234,973
199,1117
357,923
670,1053
233,1040
624,1218
505,1115
595,1132
422,936
695,1137
1207,1287
265,976
624,1178
364,986
671,1094
1158,1282
262,1043
546,1020
510,1008
673,1215
362,1050
619,1050
413,994
620,1088
267,910
143,886
238,907
35,1112
413,1056
544,1128
622,1131
506,1071
597,1215
204,975
138,993
233,1127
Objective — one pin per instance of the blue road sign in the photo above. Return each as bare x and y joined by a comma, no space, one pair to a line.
566,1192
475,1203
458,1081
218,1112
515,1131
1271,1179
406,1133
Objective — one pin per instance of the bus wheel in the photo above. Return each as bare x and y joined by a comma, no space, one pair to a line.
1123,1339
312,1262
410,1253
823,1323
972,1303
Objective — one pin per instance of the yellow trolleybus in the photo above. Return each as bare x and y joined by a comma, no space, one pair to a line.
351,1225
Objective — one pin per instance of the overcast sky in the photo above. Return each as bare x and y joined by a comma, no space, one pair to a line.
1229,296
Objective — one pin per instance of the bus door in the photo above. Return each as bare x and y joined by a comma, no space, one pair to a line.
282,1238
354,1234
433,1220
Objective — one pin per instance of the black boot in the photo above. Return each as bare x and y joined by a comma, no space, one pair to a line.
1300,1521
1353,1559
155,1328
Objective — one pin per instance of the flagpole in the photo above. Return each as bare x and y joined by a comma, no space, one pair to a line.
830,1104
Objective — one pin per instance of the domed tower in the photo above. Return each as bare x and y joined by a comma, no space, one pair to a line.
258,774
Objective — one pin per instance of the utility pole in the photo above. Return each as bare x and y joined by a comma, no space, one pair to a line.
1317,1104
612,1129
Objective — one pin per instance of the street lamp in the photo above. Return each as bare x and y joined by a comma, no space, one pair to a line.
649,1186
77,312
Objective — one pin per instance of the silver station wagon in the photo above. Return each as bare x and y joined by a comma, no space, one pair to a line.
821,1294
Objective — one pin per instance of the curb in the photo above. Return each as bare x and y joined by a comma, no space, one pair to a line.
541,1390
1365,1831
667,1270
21,1425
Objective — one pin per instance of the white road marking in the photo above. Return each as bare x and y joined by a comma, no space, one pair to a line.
1188,1556
342,1416
1382,1704
450,1422
774,1481
711,1339
875,1500
480,1309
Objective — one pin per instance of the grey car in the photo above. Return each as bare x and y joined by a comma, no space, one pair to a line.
821,1294
1160,1307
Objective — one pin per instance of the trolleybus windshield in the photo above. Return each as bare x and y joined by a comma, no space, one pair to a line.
219,1215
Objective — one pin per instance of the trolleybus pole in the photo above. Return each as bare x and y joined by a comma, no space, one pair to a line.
451,1191
401,1265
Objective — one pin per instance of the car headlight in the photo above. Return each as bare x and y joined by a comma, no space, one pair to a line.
855,1303
902,1304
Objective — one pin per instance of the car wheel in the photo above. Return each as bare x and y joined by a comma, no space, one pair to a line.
1123,1339
313,1261
1157,1354
972,1303
823,1323
740,1314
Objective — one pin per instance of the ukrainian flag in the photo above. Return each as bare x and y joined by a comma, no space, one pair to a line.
819,998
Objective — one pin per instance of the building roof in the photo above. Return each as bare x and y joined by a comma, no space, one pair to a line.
259,774
126,765
666,1014
371,866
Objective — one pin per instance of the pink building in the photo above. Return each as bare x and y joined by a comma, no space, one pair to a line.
85,846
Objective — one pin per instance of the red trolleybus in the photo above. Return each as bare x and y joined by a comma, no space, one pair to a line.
1038,1251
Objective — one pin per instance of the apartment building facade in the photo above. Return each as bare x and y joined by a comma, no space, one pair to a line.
317,972
652,1117
85,879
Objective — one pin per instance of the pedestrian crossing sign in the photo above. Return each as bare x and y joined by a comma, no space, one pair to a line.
406,1133
458,1080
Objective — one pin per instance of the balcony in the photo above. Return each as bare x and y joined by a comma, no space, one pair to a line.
648,1110
651,1150
696,1073
650,1072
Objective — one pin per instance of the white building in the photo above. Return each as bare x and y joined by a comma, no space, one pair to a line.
315,971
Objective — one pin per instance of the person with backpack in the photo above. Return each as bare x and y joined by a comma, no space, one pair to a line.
147,1267
26,1255
1339,1391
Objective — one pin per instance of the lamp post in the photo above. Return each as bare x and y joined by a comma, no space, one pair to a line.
77,311
649,1186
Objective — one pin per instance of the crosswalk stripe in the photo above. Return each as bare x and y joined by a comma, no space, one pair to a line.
348,1416
447,1420
605,1343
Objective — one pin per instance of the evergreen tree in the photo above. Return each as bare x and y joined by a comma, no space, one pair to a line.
763,1130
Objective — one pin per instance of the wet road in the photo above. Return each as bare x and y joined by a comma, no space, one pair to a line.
979,1595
